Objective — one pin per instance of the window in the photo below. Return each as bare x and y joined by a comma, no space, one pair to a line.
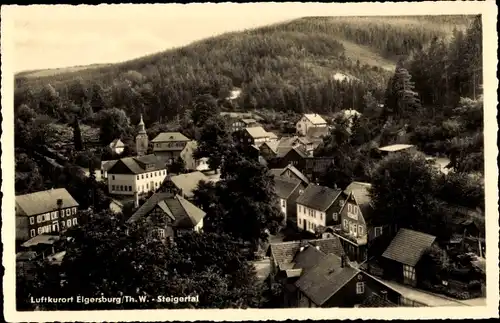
74,221
40,230
54,215
137,176
63,224
300,208
355,229
360,288
142,176
147,175
360,230
32,220
68,212
38,218
113,177
321,216
408,274
130,188
68,223
147,186
161,233
335,216
300,221
32,233
112,187
164,172
74,210
346,223
121,187
341,203
378,231
349,208
355,210
283,203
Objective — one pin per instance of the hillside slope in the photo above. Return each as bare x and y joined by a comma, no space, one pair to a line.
287,66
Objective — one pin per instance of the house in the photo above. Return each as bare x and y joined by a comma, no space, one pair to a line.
105,166
404,253
44,212
185,184
290,172
288,190
117,146
253,136
290,259
397,148
169,145
187,156
316,166
315,133
279,148
309,121
296,156
170,215
240,120
140,174
308,144
356,229
318,206
334,282
43,245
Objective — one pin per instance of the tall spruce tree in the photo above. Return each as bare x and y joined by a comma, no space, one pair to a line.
77,135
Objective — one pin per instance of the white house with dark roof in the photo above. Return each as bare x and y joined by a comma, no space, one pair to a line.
141,174
44,212
309,121
117,146
318,206
170,215
169,145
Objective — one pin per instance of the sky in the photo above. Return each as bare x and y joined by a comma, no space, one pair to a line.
62,36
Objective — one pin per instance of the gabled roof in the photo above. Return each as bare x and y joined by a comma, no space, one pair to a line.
183,213
298,151
408,246
321,282
117,143
137,165
188,182
170,137
284,187
41,239
293,169
396,147
43,201
361,194
284,253
107,164
317,132
257,132
314,118
318,197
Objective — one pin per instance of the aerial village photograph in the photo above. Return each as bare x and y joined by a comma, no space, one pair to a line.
286,162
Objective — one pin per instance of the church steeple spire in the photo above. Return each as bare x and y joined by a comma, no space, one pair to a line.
142,127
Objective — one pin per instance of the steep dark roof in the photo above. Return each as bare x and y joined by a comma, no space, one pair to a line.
318,197
321,282
408,246
285,252
284,187
182,212
137,165
375,300
297,173
43,201
309,257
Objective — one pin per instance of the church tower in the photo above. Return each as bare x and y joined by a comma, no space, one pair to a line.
141,140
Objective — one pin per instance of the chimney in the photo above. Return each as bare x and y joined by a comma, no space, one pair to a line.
383,294
136,199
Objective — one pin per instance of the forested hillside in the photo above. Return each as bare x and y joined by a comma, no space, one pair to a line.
292,66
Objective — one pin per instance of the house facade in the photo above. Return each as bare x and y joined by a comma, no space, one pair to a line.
290,172
253,136
117,146
318,206
295,157
187,156
288,190
356,231
401,258
141,174
309,121
169,215
44,212
169,145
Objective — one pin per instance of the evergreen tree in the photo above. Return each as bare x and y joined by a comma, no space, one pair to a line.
77,135
401,98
